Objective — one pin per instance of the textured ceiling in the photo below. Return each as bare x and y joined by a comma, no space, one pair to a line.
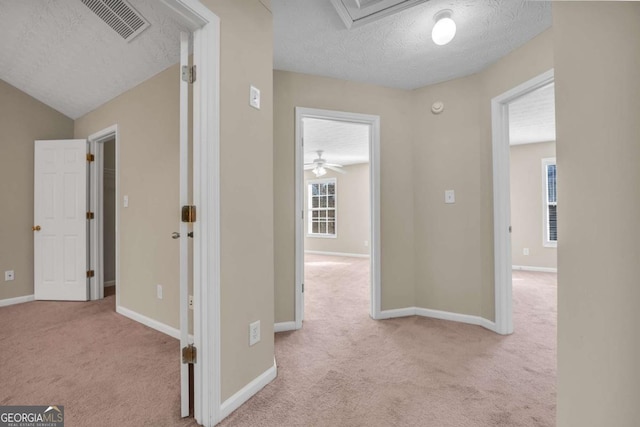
61,53
342,143
397,51
532,118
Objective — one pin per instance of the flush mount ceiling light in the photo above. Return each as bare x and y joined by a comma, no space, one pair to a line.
445,29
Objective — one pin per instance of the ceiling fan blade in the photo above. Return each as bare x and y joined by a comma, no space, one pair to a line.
335,169
335,165
309,167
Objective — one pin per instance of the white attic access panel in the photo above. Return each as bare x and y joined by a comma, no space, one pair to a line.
355,13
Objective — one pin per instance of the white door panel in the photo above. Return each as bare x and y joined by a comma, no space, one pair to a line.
60,201
183,226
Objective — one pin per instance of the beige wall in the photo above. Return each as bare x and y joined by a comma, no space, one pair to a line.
434,255
109,209
299,90
353,219
246,189
450,239
148,120
597,57
528,207
23,120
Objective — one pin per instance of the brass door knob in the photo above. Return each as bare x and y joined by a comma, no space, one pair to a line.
36,228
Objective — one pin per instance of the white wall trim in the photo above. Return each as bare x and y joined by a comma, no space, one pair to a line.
438,314
147,321
109,284
284,327
374,210
246,392
337,254
532,268
397,312
151,323
17,300
501,198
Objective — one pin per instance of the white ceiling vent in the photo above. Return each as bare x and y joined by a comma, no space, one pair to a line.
119,15
355,13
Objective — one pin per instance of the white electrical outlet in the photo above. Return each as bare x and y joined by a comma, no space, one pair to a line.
254,332
525,251
449,196
125,201
159,291
191,302
366,243
9,275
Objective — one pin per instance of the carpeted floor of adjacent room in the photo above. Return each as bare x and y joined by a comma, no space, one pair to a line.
341,369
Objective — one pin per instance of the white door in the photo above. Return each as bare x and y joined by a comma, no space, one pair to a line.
184,227
60,221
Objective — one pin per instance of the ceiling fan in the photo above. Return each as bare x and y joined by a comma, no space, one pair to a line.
319,166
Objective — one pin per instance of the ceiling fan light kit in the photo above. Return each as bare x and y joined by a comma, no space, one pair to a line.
319,166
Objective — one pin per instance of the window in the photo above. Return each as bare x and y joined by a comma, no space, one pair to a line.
322,208
550,202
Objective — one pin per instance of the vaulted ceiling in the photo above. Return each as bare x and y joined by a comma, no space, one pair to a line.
63,54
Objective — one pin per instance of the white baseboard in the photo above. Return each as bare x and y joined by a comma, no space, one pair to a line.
16,300
530,268
153,324
109,283
245,393
284,327
398,312
337,254
437,314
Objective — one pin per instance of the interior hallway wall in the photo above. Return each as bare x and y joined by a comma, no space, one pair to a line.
23,119
597,57
246,185
148,119
392,105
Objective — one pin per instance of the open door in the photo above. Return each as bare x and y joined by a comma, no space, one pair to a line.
188,355
60,220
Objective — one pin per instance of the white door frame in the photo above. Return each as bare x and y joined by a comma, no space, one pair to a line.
96,203
502,199
374,209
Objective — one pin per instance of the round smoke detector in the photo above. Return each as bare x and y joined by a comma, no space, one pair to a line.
437,107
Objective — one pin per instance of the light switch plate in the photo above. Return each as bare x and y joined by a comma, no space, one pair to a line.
254,97
449,196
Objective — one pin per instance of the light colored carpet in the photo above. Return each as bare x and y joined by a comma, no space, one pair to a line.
341,369
344,369
105,369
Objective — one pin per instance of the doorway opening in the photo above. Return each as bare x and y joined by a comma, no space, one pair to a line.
337,203
533,198
516,109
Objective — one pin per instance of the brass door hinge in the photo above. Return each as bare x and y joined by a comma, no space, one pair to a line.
90,273
90,215
189,213
189,74
90,157
189,354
